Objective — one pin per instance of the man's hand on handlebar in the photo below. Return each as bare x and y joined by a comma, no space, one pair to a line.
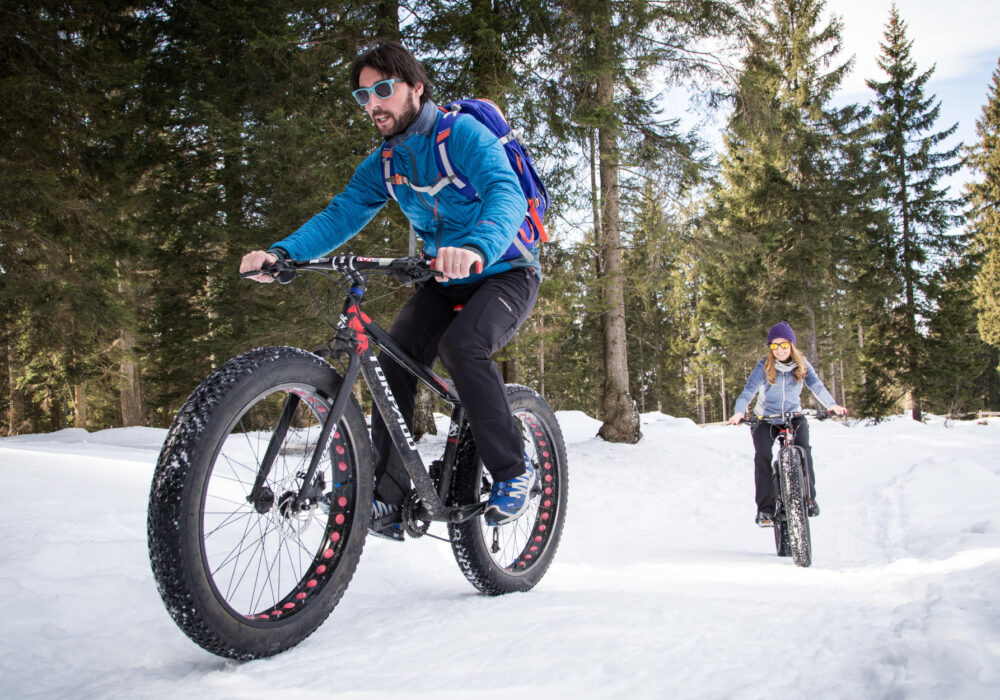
456,263
256,260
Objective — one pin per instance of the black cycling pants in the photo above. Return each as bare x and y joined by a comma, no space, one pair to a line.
428,327
763,441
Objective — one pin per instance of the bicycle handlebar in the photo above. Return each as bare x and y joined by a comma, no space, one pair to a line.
785,417
407,269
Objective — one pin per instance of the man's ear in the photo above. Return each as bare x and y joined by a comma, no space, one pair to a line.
419,89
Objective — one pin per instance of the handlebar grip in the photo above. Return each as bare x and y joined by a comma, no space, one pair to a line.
478,267
277,270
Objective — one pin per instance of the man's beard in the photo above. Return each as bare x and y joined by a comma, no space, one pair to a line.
403,122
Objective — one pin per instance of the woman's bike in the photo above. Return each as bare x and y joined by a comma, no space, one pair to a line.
791,488
262,495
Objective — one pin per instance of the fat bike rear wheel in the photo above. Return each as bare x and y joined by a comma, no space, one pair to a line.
781,545
514,557
243,571
780,526
793,498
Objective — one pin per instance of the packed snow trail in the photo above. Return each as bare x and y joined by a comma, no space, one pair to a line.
662,586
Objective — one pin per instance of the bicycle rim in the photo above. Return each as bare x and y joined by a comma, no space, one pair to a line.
519,545
264,560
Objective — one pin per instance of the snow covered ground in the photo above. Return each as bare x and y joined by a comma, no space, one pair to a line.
662,588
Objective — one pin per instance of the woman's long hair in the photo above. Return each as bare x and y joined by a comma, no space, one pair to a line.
771,372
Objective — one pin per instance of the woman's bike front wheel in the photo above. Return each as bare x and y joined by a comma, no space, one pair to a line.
250,564
514,556
793,497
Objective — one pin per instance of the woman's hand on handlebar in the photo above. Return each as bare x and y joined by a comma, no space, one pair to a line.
839,410
256,260
456,263
735,419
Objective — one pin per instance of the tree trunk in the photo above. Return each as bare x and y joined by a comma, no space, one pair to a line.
423,413
595,191
79,406
722,392
541,353
56,415
387,19
509,371
700,383
843,390
912,369
621,419
15,409
833,381
133,411
813,353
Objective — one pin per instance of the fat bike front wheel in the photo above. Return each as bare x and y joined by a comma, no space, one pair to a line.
245,570
514,556
790,469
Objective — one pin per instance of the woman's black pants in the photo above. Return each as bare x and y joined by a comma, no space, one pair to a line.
763,444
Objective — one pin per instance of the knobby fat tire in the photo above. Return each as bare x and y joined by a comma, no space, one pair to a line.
796,514
178,493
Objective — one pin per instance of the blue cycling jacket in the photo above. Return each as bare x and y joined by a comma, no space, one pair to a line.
783,395
487,224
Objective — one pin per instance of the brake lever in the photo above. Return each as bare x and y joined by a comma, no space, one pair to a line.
276,271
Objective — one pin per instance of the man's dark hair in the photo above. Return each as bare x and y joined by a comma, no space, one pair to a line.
393,60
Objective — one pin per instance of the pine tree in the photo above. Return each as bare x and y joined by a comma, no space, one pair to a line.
77,160
263,132
983,197
605,55
920,210
786,201
962,376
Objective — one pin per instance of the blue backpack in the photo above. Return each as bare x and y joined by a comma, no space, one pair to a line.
487,113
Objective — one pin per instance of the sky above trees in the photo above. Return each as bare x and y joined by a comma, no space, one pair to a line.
959,37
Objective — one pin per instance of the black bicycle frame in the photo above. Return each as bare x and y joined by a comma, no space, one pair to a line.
356,337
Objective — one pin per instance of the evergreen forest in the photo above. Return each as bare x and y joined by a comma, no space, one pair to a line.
146,146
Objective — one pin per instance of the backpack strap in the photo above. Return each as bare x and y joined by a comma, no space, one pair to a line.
522,248
537,220
450,176
523,242
387,175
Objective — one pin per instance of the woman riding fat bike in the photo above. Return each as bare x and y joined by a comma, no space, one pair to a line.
779,377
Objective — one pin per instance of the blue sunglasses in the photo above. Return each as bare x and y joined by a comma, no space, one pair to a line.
382,89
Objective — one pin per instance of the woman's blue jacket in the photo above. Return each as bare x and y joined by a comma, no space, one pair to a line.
784,394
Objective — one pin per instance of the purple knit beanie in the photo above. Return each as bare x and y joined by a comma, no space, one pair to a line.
781,330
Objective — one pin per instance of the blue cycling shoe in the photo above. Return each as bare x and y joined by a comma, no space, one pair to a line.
509,499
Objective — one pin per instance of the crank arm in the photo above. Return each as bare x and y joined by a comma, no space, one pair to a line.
460,514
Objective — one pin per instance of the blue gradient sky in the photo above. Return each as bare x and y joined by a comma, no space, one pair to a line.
960,38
